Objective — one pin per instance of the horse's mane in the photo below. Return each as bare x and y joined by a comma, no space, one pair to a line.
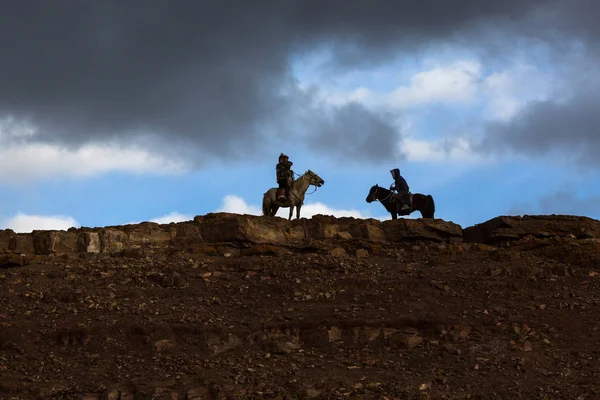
382,188
303,175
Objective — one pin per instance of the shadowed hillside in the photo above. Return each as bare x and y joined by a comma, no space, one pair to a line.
238,306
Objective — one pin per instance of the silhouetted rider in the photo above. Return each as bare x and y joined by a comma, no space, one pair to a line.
400,187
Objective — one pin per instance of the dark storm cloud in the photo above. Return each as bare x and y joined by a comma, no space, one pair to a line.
565,125
570,129
353,133
562,202
215,75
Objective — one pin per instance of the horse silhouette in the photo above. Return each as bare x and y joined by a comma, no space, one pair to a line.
418,202
297,191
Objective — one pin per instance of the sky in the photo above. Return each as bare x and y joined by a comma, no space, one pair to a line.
114,113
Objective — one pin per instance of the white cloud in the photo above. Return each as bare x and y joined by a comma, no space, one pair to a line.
172,217
454,83
496,95
339,98
458,150
237,205
501,93
310,209
510,90
25,223
457,82
30,161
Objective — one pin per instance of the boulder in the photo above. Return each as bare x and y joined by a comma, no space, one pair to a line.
432,230
6,237
149,233
89,242
12,260
224,227
186,234
113,240
22,243
51,242
326,227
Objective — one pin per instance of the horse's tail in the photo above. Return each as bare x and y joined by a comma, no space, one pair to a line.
432,205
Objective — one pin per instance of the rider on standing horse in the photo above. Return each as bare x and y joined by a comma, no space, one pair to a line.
401,187
284,177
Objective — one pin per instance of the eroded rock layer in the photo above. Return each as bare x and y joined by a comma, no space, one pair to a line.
233,233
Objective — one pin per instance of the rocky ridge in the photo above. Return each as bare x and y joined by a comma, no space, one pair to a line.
220,233
244,307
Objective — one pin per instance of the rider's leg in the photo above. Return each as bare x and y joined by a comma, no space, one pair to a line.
282,185
405,203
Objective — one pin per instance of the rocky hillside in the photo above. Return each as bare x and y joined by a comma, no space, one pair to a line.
236,306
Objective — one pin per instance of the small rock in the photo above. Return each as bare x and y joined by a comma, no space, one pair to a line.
166,394
343,235
527,346
113,395
311,393
163,345
91,396
282,347
424,386
199,393
338,252
362,253
407,340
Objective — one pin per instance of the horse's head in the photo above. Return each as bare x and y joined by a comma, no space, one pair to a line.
373,194
315,179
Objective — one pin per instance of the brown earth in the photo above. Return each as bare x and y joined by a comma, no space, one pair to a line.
242,307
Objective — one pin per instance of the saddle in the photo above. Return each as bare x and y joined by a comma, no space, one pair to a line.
402,199
281,195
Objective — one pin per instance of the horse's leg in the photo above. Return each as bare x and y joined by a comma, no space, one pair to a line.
298,211
291,212
394,215
431,209
422,206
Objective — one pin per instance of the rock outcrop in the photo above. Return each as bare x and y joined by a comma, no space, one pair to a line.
223,232
235,234
506,229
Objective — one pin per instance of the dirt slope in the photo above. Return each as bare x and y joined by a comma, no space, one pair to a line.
419,320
